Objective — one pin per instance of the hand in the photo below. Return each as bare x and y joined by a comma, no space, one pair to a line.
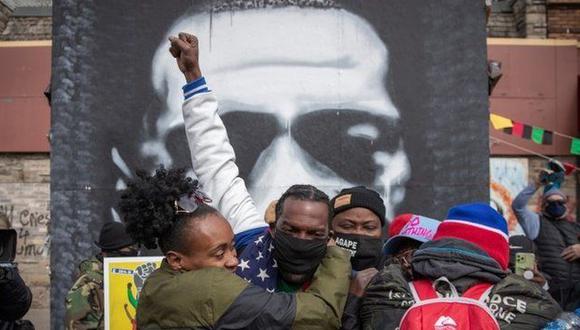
571,253
331,242
538,177
185,49
538,277
360,282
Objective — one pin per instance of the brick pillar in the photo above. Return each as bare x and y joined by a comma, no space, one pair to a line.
5,13
535,23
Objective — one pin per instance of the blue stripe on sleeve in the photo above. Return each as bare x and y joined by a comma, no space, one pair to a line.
195,87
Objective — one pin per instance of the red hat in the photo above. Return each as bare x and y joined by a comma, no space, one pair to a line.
398,223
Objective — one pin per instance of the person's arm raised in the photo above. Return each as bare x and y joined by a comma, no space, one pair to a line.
529,220
212,155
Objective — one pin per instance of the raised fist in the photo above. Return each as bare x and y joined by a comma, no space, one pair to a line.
185,49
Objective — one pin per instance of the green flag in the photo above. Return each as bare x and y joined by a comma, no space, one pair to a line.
575,147
537,135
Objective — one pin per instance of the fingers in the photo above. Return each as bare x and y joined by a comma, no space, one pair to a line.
189,38
174,51
568,255
179,44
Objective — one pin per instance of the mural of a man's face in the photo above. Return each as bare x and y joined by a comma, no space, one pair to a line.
302,93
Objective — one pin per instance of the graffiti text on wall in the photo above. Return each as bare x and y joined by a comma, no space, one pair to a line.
27,223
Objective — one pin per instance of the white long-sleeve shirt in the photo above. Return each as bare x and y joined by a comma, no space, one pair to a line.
213,160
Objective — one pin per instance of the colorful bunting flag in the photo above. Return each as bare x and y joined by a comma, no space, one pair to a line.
527,132
548,137
569,168
519,130
537,135
500,122
575,146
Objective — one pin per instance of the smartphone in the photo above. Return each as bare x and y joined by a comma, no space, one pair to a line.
524,261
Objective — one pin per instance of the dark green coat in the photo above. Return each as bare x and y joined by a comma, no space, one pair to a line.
213,298
515,302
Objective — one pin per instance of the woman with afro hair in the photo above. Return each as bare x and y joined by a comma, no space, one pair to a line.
195,286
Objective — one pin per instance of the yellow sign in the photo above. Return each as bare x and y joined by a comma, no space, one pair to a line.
124,279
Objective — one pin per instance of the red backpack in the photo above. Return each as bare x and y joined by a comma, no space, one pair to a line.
453,312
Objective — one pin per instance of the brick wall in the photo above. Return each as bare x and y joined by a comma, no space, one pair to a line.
505,18
28,28
24,197
564,19
5,13
535,19
518,19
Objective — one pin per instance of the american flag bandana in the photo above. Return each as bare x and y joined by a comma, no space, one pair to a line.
257,264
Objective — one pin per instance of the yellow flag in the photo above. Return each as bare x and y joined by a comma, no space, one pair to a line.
500,122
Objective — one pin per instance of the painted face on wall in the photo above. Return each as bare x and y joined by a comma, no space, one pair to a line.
302,94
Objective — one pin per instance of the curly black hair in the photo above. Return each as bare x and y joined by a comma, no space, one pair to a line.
148,209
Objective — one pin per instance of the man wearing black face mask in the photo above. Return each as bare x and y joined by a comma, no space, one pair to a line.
358,219
84,301
557,240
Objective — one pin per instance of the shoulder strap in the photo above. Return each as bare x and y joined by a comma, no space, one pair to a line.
423,290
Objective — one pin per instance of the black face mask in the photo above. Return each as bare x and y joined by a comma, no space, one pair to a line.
366,251
555,209
298,256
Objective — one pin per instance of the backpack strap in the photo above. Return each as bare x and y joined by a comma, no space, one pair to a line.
479,291
422,290
425,289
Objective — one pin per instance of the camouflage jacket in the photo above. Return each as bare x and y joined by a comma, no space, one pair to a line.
84,301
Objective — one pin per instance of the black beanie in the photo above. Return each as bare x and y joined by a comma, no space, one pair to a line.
113,237
359,197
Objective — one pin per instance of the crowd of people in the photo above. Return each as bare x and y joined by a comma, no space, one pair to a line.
315,262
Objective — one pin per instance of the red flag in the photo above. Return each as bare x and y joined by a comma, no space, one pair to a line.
569,168
518,129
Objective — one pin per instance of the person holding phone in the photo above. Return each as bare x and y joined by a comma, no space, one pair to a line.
556,237
523,261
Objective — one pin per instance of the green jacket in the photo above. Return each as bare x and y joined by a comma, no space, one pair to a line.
515,302
84,301
213,298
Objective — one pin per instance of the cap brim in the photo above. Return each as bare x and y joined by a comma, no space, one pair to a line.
114,247
394,243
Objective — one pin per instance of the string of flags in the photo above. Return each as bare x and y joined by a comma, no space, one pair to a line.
568,167
537,134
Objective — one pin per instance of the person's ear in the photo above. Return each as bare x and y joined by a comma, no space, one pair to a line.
174,259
